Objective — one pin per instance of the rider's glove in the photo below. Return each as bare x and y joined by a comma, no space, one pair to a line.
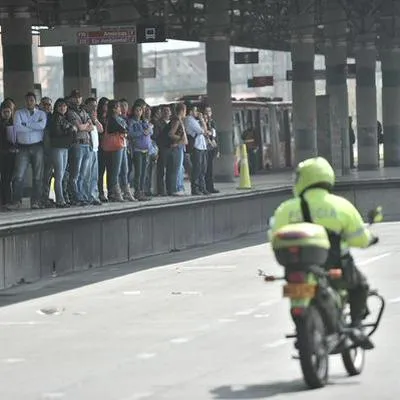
374,240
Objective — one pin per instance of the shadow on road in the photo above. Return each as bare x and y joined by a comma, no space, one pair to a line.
76,280
260,391
267,390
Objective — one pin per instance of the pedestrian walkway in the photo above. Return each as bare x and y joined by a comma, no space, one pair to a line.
265,182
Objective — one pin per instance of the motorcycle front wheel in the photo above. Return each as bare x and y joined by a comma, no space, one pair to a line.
354,360
313,353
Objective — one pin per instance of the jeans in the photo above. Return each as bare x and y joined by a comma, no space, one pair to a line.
29,154
180,186
140,163
78,170
199,162
172,169
211,154
90,187
115,162
48,170
59,161
7,164
161,174
148,180
123,175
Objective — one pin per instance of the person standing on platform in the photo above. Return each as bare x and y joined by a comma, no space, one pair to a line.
29,123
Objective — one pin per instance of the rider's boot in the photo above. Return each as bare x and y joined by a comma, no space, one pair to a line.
359,337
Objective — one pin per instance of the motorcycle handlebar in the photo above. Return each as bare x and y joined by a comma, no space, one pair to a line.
374,241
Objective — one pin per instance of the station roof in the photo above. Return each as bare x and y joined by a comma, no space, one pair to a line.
263,24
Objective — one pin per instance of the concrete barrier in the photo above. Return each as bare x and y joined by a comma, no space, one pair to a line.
35,249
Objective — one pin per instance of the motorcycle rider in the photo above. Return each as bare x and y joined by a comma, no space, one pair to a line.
314,202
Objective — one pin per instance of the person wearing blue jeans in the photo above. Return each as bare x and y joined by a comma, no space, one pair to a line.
180,185
61,133
80,156
29,123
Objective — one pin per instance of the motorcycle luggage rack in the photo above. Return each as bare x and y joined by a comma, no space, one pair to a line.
375,325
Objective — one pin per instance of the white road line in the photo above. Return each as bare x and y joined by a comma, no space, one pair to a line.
394,301
277,343
261,315
139,396
13,360
208,267
268,303
179,340
146,356
132,293
51,396
246,312
23,323
373,259
226,320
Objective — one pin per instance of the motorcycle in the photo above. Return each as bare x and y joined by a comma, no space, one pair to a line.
319,301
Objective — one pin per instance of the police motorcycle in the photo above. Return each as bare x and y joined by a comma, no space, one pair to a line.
318,302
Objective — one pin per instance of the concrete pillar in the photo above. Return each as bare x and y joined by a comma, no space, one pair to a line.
390,58
336,85
126,72
303,83
16,38
365,55
219,85
76,61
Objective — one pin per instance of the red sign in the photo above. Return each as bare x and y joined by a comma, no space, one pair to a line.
260,81
109,36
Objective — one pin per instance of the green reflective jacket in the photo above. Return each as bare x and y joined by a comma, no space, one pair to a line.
333,212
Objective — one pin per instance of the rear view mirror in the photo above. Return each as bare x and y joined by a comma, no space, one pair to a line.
375,216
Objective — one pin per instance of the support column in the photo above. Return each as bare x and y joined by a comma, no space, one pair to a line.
336,85
219,85
390,59
367,140
126,72
16,38
303,83
76,61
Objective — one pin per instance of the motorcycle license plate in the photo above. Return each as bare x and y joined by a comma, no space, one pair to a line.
299,291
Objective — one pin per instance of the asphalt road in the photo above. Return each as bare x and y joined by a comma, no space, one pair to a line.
202,326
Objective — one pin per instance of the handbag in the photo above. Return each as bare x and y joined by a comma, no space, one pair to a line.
113,141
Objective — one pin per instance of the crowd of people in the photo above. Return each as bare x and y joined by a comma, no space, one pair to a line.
144,151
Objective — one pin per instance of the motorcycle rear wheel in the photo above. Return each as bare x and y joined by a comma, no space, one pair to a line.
313,353
354,360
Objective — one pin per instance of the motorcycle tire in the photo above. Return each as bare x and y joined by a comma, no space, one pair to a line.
354,360
313,352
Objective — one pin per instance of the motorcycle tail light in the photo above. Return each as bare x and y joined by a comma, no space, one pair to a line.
297,277
297,311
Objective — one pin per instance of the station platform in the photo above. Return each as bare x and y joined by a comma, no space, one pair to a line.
269,181
52,242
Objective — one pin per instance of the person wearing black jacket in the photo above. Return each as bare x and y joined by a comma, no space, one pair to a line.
7,154
61,133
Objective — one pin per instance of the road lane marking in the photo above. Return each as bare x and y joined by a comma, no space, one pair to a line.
179,340
268,303
261,315
207,267
373,259
226,320
22,323
146,356
394,301
277,343
132,293
51,396
246,312
13,360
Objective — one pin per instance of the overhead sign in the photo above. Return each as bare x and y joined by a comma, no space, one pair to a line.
150,33
260,81
106,36
147,72
246,57
93,36
320,74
